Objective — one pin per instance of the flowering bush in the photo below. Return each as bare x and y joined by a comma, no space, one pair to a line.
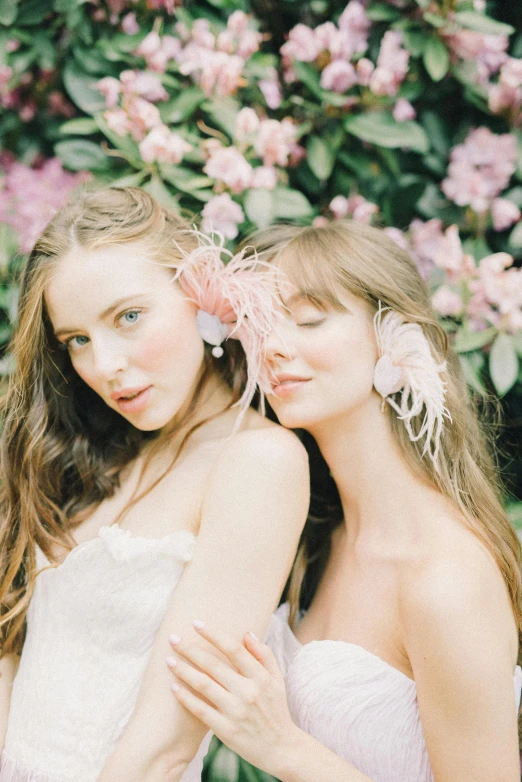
402,113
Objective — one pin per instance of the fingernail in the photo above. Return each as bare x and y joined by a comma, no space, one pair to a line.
199,624
254,636
175,686
171,662
174,639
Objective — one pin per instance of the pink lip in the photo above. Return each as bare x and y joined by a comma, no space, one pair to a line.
288,384
134,405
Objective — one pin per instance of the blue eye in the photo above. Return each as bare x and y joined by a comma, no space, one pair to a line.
76,342
131,316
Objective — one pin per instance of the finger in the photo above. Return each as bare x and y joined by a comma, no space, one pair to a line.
233,650
263,654
220,670
201,684
203,711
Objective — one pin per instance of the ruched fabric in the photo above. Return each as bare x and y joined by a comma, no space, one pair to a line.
355,704
90,628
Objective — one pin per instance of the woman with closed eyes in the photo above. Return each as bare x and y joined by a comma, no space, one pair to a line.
394,658
138,488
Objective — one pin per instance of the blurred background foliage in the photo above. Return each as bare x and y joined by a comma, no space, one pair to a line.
403,113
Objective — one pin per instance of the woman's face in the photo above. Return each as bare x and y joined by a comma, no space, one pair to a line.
130,332
324,361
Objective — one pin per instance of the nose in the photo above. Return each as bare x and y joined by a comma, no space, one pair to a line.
109,358
279,345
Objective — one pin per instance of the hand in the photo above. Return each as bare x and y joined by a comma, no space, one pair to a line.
241,698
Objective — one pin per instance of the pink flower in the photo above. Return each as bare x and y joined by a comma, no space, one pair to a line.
504,214
59,105
488,52
355,24
237,23
150,45
274,141
228,165
327,37
356,206
202,34
163,146
364,68
5,74
223,215
143,116
338,76
249,42
264,176
339,207
110,88
403,111
129,25
301,45
392,65
226,42
506,96
12,45
449,254
247,123
480,168
117,121
447,302
30,197
320,222
271,90
398,237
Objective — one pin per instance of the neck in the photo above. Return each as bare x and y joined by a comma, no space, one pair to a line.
376,486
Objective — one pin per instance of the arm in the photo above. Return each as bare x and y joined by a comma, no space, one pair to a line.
251,519
8,668
239,692
458,626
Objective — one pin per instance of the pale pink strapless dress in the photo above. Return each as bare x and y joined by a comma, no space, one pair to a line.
355,704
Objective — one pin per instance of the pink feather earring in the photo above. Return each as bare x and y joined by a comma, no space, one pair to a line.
406,364
236,299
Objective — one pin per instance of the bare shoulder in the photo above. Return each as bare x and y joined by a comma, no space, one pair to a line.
271,448
457,589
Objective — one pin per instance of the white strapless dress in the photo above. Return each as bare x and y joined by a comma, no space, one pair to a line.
355,704
90,628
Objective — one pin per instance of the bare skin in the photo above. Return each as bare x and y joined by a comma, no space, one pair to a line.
407,580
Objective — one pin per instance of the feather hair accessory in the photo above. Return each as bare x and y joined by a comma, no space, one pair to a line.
235,299
406,364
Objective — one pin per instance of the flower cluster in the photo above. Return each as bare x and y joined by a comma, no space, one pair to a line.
30,197
480,168
505,97
486,52
355,206
131,110
214,61
267,142
484,294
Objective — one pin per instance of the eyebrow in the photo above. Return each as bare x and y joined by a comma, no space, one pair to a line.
105,314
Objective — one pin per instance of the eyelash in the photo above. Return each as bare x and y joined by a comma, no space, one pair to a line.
311,324
67,344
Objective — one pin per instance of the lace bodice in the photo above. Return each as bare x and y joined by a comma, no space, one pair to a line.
354,703
90,627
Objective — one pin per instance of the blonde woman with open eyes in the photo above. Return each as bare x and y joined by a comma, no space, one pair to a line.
139,488
394,658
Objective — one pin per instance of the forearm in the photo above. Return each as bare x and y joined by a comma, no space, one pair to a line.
304,759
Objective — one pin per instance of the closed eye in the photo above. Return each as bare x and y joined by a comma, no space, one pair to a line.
311,323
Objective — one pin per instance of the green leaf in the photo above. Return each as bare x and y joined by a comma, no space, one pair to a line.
80,155
482,24
80,88
320,157
126,144
225,766
517,342
183,106
260,207
414,41
308,76
33,12
185,179
514,513
515,237
8,11
157,190
224,112
434,19
471,372
436,58
82,126
380,12
91,60
380,128
466,341
503,364
291,204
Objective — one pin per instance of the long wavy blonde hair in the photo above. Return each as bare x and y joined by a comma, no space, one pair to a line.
349,256
62,448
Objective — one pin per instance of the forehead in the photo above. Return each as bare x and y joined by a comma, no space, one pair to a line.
87,281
